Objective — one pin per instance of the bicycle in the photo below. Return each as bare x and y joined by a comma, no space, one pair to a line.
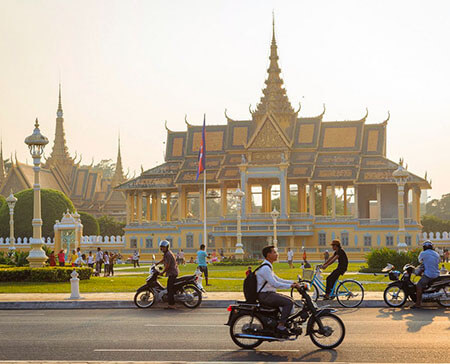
349,293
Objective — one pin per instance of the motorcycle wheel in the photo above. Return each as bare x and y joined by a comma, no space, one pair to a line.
237,327
445,302
333,331
313,292
196,296
394,296
144,299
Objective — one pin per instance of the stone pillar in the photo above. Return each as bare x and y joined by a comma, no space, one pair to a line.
154,207
401,176
139,207
302,204
356,203
379,201
223,199
181,203
324,199
168,206
333,200
243,171
416,203
264,198
283,191
147,207
132,204
312,200
129,202
345,201
158,205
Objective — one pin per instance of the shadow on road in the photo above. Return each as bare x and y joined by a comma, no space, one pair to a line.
415,319
319,355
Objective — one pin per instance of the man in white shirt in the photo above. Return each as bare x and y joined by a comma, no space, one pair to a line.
267,284
290,257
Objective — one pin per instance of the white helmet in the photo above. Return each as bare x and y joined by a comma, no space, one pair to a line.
164,243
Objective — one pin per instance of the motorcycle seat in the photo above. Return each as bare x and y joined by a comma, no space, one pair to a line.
185,278
440,279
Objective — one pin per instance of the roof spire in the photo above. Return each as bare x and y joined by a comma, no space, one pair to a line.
59,112
274,95
118,176
2,164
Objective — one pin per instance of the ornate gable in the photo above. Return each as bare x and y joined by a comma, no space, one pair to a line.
267,136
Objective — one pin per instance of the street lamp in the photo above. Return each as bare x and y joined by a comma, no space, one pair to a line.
36,143
401,176
275,214
238,194
11,201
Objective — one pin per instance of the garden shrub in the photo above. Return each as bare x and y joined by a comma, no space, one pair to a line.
47,274
377,259
14,258
90,224
54,205
2,200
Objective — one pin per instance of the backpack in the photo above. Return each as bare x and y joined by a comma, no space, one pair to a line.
250,286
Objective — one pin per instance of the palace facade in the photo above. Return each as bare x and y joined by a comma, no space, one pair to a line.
327,179
87,187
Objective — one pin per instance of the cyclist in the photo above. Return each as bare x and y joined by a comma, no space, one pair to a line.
430,260
341,256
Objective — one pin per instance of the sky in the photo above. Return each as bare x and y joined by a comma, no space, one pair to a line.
127,66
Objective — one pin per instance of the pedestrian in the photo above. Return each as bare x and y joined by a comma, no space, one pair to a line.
182,260
221,254
79,252
61,258
136,259
98,261
171,270
106,261
446,255
248,271
80,261
178,257
112,258
306,265
52,259
290,257
90,260
73,258
326,255
201,261
304,254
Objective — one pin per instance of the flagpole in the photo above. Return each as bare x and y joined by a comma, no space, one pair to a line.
204,209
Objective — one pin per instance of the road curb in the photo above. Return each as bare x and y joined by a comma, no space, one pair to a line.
80,304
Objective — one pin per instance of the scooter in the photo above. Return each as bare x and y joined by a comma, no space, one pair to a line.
188,290
252,324
402,288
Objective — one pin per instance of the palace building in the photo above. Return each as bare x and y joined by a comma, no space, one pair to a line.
327,179
87,187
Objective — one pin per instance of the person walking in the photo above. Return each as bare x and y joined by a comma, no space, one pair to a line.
171,270
61,258
182,260
52,259
106,261
98,261
90,260
290,258
341,256
136,259
201,261
112,258
73,258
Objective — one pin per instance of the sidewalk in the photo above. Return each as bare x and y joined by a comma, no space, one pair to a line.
113,300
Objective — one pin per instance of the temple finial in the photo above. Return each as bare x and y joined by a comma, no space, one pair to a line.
273,26
59,112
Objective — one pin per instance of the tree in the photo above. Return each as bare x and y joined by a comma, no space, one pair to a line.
2,201
53,205
90,224
107,166
432,224
110,226
439,208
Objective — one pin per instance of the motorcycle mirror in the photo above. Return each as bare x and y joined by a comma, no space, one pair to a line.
387,268
153,256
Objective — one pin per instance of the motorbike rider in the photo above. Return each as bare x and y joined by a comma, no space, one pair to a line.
430,260
341,256
171,270
267,284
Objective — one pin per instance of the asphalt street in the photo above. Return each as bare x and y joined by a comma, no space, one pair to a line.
373,335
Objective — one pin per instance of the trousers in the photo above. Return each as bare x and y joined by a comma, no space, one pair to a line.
331,280
171,289
273,299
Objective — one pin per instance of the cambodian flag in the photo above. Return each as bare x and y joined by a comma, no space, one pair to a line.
202,152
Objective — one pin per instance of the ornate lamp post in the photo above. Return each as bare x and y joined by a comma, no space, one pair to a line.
36,143
275,215
401,176
238,194
11,201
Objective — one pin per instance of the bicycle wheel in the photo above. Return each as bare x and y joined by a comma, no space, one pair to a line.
350,293
313,293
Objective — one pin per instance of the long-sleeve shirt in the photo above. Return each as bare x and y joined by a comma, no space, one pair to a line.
266,274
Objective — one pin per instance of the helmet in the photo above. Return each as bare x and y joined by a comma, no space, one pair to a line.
164,243
427,245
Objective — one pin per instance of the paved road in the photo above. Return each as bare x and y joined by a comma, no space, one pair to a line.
373,335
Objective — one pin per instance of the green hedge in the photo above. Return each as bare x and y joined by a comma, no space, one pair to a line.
377,259
237,262
47,274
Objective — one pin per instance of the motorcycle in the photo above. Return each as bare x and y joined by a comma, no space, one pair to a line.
188,290
402,288
251,324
